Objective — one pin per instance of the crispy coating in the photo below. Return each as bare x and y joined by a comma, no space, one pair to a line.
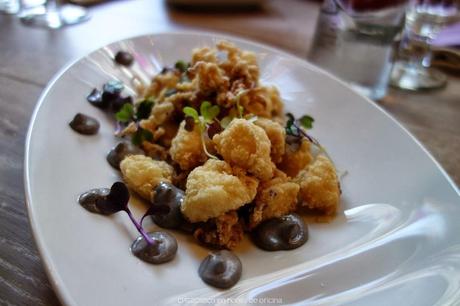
142,174
262,101
204,54
240,66
246,145
319,187
275,198
224,231
214,189
161,112
296,157
161,82
276,133
210,78
187,148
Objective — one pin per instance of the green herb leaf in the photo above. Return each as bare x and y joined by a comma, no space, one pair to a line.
291,128
181,66
190,111
141,135
144,109
209,111
306,121
125,114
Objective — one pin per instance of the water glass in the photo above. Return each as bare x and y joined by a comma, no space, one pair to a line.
10,6
354,40
424,20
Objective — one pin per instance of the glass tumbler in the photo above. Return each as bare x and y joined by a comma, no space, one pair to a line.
424,20
354,40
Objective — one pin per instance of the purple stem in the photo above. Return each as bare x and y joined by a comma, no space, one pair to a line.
140,229
311,139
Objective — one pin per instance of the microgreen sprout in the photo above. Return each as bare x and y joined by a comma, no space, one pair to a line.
117,200
129,113
208,114
125,114
144,108
182,66
239,107
155,210
295,127
141,135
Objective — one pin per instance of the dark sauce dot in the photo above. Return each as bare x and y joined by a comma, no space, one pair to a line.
84,124
120,151
95,99
189,124
221,269
111,91
284,233
163,250
168,194
124,58
89,199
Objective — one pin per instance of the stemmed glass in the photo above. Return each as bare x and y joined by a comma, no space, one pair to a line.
424,20
54,15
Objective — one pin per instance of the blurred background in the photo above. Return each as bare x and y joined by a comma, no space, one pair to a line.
402,54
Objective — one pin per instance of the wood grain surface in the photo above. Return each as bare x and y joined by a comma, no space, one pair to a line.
29,57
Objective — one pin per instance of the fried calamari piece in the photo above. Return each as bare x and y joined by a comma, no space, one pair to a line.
240,66
161,82
214,189
246,145
155,151
275,198
161,112
262,101
204,54
142,174
296,157
210,78
276,133
319,187
224,231
187,148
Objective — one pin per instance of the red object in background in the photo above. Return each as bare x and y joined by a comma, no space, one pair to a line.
369,5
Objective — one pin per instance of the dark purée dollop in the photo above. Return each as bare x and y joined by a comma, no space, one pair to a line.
284,233
168,194
162,250
120,151
221,269
84,124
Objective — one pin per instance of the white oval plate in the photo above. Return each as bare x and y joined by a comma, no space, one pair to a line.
396,240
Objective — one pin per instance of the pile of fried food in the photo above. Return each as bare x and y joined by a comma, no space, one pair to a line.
217,133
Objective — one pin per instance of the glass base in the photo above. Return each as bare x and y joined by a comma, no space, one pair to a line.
373,93
416,77
54,19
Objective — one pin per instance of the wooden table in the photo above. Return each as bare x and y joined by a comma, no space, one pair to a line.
29,57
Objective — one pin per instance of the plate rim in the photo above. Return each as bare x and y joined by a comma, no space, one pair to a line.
53,276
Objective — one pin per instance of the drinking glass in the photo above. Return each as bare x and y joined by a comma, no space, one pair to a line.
9,7
54,15
354,40
424,20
